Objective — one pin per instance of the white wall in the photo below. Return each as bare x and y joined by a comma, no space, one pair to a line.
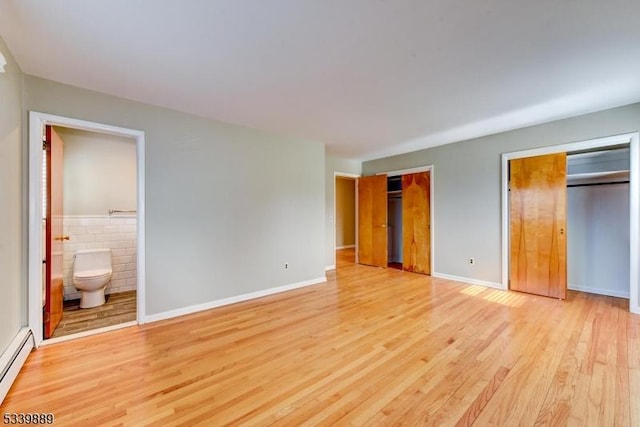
226,206
99,172
13,209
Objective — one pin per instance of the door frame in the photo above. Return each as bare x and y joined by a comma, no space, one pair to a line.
37,121
633,139
432,233
335,211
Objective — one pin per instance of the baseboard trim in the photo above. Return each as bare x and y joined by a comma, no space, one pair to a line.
345,247
330,267
469,280
231,300
599,291
13,359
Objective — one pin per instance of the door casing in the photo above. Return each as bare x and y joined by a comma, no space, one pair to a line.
37,122
633,139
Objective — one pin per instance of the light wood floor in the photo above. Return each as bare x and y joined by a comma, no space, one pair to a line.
369,347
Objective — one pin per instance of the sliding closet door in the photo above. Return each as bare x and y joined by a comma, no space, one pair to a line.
416,223
537,209
372,220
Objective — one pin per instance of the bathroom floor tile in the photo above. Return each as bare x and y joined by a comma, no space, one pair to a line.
119,308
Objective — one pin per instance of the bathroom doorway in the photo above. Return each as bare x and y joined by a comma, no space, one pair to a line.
98,207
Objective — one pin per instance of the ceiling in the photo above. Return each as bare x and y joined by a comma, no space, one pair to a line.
369,78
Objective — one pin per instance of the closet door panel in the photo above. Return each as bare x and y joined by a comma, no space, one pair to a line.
416,222
537,210
372,220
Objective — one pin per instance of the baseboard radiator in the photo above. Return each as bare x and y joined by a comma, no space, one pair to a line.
13,358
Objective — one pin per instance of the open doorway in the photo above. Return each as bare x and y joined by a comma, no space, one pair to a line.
95,180
598,221
345,219
90,241
585,188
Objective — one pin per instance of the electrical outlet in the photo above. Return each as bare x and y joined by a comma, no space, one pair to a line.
472,261
286,265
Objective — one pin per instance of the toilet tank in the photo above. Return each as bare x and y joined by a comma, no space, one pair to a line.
92,259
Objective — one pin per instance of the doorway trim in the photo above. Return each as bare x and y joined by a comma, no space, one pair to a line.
432,233
337,175
37,121
633,139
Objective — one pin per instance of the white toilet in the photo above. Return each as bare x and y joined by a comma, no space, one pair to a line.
91,274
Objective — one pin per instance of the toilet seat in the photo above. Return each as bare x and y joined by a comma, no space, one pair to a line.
92,274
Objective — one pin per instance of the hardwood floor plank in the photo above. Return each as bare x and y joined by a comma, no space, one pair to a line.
470,415
557,403
368,347
633,334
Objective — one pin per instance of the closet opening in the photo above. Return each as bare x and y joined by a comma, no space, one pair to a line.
394,222
598,218
395,219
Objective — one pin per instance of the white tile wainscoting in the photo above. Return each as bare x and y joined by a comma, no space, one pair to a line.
116,232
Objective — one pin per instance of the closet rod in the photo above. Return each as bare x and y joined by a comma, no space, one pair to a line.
597,183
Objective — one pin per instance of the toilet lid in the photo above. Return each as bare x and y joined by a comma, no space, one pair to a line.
92,273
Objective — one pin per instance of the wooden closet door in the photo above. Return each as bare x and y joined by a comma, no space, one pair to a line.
372,220
537,209
416,223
